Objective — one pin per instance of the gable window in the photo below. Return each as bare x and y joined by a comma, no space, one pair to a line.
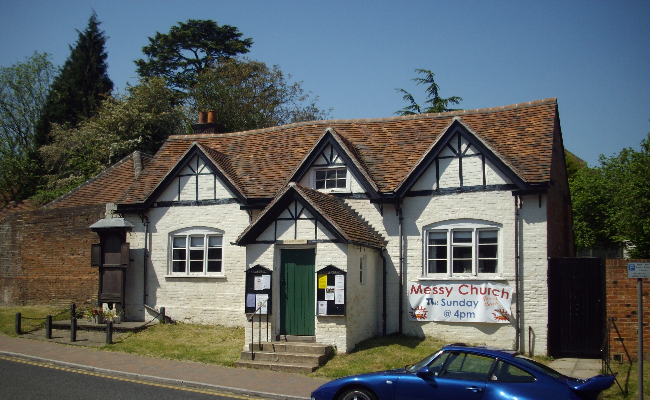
195,253
456,249
331,178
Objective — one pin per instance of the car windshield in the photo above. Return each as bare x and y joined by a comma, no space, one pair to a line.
416,367
538,366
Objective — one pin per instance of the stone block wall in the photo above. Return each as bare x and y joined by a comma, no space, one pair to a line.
45,256
622,304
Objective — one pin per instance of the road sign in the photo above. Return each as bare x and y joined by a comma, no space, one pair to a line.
638,270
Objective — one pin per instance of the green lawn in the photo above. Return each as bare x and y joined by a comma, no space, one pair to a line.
8,318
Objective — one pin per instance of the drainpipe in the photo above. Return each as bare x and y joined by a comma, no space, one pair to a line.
518,317
145,221
383,312
401,263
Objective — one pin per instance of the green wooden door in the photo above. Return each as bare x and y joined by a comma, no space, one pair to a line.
298,292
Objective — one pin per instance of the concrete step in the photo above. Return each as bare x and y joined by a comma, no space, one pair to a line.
283,367
292,338
294,347
285,358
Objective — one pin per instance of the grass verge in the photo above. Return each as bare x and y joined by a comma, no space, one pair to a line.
628,378
8,318
186,342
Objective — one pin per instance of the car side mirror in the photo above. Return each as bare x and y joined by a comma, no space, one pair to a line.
425,373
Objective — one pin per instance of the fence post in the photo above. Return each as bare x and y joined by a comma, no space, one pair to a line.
73,329
18,330
109,332
162,315
73,310
48,327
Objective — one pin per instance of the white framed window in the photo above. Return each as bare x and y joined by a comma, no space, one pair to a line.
462,248
331,179
196,252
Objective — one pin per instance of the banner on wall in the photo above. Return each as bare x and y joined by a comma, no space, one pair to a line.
459,302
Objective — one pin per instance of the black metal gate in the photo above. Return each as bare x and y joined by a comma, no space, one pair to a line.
577,314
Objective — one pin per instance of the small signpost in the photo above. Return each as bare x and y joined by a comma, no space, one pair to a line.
639,271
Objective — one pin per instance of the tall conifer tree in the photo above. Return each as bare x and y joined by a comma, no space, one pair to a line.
81,85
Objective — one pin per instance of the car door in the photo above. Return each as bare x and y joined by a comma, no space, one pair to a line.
453,375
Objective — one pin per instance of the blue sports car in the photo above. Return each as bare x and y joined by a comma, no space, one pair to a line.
459,372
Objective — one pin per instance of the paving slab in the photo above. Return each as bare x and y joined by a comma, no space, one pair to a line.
581,368
267,384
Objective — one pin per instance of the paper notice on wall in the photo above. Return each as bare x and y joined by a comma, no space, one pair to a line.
329,293
322,281
262,282
250,300
322,308
339,282
261,301
339,296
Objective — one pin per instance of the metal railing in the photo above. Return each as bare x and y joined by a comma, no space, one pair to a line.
605,350
258,311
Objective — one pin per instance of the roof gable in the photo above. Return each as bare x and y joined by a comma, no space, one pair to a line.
326,209
215,161
342,150
442,147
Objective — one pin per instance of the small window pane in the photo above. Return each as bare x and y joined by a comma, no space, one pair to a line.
436,252
179,254
196,254
462,266
487,251
196,241
462,237
214,254
463,252
214,241
439,238
487,237
178,266
214,266
437,266
487,266
179,241
196,266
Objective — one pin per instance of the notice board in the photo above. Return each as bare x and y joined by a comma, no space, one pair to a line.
259,290
330,291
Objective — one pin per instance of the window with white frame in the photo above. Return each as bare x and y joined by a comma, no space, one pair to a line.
461,248
331,179
196,252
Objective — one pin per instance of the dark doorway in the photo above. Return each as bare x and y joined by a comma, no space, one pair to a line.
577,313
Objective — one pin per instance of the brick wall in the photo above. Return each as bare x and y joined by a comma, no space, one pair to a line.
622,304
45,256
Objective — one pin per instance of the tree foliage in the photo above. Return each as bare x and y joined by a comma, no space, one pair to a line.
434,103
190,48
611,202
23,91
248,95
141,119
81,85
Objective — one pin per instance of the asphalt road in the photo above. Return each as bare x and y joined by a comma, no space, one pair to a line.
28,380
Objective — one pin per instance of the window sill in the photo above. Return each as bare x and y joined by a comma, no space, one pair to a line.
196,276
464,278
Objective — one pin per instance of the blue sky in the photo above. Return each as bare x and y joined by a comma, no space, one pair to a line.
593,56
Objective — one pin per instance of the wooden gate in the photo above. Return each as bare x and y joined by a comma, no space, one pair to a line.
298,292
577,313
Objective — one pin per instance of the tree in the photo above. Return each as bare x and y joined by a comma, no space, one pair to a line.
436,104
23,91
248,95
141,119
82,84
611,202
189,48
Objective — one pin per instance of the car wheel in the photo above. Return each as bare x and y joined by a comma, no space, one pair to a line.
357,394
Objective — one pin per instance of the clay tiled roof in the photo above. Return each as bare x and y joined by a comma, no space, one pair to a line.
341,219
107,187
388,149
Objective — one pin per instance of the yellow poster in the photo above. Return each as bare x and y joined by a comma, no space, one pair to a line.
322,281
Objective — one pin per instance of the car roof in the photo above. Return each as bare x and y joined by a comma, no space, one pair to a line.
487,350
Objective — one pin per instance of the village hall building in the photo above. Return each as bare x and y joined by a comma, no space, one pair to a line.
342,230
